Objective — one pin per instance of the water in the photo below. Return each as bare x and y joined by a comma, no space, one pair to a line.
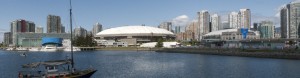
132,64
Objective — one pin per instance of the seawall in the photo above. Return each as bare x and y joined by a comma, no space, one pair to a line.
279,54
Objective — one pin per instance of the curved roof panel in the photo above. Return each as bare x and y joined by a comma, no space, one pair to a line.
131,30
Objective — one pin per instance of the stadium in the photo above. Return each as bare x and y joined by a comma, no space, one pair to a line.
134,35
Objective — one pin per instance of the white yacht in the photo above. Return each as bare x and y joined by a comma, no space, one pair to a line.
34,49
10,49
21,49
49,48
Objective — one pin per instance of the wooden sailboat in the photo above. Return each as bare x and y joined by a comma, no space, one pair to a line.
56,68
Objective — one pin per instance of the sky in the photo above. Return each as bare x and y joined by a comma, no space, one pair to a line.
114,13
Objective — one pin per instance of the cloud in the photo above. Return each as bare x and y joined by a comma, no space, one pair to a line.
296,1
181,20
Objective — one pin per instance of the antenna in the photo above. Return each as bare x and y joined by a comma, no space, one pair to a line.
72,59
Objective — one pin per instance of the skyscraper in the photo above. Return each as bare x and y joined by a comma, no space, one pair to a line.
203,20
294,20
234,19
245,18
177,29
284,21
7,38
62,29
267,30
96,28
79,31
53,24
21,26
166,25
215,22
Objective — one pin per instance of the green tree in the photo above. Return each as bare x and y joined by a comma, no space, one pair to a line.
87,41
159,43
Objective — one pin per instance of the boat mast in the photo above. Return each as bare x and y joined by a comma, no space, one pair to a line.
72,61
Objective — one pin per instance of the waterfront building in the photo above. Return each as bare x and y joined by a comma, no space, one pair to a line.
79,31
215,22
166,25
7,38
96,28
135,35
266,30
39,29
277,33
53,24
229,34
21,26
35,39
203,20
245,18
284,21
234,19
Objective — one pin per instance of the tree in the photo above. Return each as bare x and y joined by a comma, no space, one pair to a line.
159,43
87,41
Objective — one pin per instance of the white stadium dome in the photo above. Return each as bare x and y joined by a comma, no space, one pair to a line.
134,30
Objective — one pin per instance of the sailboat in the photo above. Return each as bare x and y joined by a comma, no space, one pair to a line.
56,68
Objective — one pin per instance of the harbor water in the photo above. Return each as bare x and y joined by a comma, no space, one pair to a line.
147,64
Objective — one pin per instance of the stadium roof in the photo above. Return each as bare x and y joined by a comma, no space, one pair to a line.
134,30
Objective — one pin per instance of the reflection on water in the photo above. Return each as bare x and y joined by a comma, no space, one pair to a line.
132,64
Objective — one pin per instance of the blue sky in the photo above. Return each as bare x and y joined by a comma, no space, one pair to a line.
113,13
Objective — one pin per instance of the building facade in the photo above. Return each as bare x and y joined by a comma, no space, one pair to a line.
266,30
234,19
53,24
7,38
21,26
284,21
166,25
35,39
215,22
79,31
203,20
245,18
96,28
39,29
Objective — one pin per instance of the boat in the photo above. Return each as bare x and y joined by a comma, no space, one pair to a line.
23,54
10,49
49,48
56,68
34,49
21,49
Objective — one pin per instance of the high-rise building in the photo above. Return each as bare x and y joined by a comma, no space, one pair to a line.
234,19
7,38
203,20
192,31
245,18
166,25
267,30
63,29
285,21
255,26
96,28
215,22
79,31
177,29
21,26
39,29
294,20
53,24
225,25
